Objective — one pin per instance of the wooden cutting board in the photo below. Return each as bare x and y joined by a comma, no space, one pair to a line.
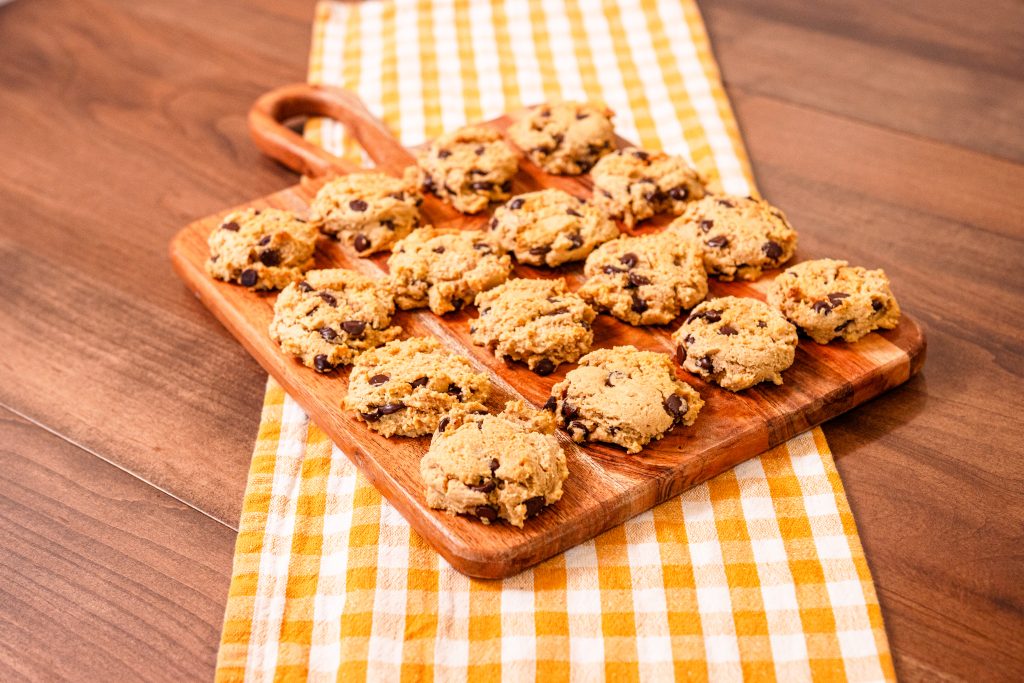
605,486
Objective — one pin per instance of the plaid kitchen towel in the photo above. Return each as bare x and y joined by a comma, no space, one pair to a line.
758,573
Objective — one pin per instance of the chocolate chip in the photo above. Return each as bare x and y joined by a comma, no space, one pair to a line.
480,150
822,307
771,249
550,403
835,298
400,196
640,154
574,212
248,277
540,251
231,226
575,240
327,333
443,424
726,202
655,196
727,330
378,379
358,205
637,280
265,240
486,512
320,364
421,382
214,258
718,242
270,257
429,185
481,185
676,406
606,193
679,193
681,354
639,305
506,186
493,224
544,367
443,154
328,298
762,324
389,408
305,287
455,390
629,259
578,428
361,242
558,311
372,416
706,364
843,326
516,203
354,328
484,247
608,379
706,225
876,305
485,487
611,270
494,465
389,224
438,250
534,505
569,411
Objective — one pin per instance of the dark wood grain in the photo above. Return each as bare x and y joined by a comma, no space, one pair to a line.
606,487
105,577
120,120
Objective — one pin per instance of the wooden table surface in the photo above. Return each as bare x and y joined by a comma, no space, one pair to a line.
890,132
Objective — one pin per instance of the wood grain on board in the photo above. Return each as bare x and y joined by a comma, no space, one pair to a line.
605,485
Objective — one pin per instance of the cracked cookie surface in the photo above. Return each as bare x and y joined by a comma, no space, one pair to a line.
507,466
331,316
469,168
261,248
831,299
623,396
539,322
740,236
633,184
736,342
405,387
550,227
445,268
645,280
565,138
367,211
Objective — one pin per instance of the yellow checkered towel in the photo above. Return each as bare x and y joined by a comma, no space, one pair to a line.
756,574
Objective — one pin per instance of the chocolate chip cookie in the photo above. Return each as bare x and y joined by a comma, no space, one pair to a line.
405,387
550,227
736,342
331,316
740,236
507,466
645,280
367,211
831,299
468,168
445,268
261,248
565,138
539,322
623,396
633,184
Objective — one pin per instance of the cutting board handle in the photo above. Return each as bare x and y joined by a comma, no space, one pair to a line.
273,109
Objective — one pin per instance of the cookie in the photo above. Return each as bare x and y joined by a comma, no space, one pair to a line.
645,280
332,316
367,211
623,396
566,138
539,322
632,184
736,342
261,248
740,236
830,299
445,268
468,168
507,466
550,227
405,387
